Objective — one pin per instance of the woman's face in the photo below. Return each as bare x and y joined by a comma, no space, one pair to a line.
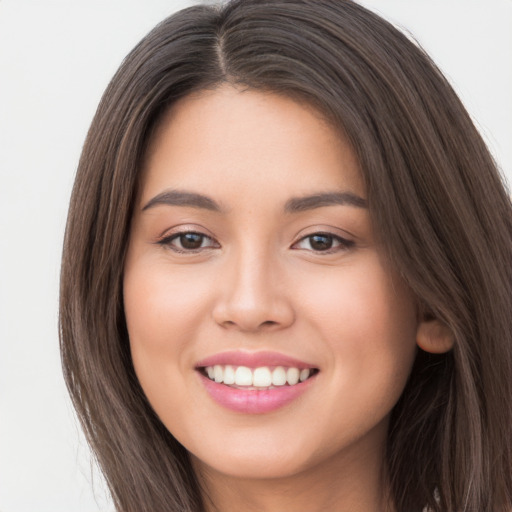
252,259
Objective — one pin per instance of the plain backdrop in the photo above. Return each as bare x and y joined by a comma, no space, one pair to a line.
56,58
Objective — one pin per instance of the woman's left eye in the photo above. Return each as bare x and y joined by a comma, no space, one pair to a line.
188,241
323,243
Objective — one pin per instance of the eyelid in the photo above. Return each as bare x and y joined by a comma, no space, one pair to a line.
171,234
345,243
184,228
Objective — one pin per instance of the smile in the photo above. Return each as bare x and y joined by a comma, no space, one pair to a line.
255,383
264,377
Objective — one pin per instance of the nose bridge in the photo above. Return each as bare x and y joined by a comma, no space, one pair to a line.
253,279
253,296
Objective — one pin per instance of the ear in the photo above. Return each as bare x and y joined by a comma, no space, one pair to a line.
434,336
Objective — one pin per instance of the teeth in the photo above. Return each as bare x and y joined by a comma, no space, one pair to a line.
262,377
229,375
304,374
292,376
279,376
218,374
243,376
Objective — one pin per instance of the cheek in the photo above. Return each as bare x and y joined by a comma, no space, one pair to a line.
367,319
164,311
158,301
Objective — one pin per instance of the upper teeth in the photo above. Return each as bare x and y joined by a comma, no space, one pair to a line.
261,377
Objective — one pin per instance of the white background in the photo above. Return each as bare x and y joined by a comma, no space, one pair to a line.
56,58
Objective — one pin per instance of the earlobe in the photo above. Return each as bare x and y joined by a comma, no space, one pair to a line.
434,336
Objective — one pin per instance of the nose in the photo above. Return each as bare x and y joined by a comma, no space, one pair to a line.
253,296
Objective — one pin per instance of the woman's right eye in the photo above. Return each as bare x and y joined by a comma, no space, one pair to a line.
188,241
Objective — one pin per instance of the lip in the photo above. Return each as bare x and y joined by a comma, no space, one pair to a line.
253,401
253,360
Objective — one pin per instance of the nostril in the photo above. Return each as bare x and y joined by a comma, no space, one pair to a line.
253,316
268,324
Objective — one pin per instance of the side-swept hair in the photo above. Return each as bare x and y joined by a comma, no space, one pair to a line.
436,201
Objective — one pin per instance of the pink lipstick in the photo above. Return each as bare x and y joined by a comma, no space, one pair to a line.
255,382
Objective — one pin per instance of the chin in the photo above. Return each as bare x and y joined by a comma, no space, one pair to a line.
269,457
263,467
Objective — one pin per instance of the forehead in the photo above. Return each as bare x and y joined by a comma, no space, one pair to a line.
237,141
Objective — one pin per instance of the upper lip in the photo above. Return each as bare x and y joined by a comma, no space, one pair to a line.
253,360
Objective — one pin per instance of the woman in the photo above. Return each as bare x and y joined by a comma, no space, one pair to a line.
286,279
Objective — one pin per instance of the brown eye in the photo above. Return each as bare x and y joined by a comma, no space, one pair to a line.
191,240
188,241
321,242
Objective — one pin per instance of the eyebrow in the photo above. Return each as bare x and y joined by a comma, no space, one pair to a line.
183,198
300,204
293,205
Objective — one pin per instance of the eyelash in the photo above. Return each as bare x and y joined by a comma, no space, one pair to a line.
168,242
342,243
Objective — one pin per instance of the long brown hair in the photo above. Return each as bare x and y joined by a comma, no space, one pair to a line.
436,201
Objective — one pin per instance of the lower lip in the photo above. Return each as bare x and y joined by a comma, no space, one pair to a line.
254,401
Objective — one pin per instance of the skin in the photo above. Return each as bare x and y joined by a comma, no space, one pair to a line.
258,283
